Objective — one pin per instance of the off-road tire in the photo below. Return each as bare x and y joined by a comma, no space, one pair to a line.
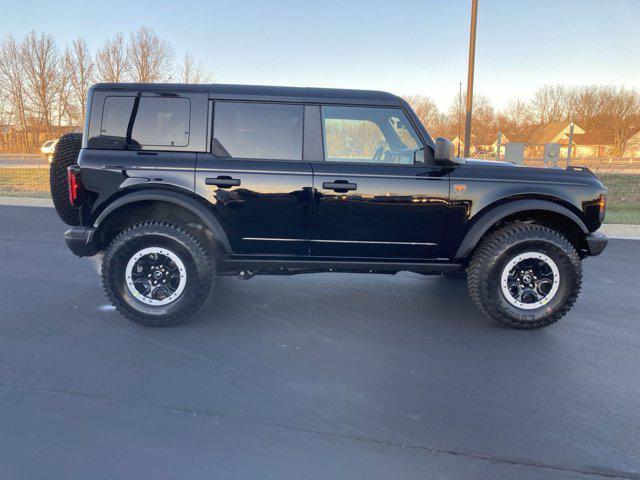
199,266
495,251
65,155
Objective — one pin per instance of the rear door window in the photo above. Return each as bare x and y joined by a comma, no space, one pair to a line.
145,121
115,119
162,122
258,130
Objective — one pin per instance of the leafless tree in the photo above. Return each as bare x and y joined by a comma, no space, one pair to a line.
621,113
586,105
111,61
191,70
12,84
518,114
40,60
482,114
150,57
550,104
428,113
79,66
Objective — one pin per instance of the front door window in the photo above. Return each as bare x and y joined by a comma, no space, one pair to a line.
368,135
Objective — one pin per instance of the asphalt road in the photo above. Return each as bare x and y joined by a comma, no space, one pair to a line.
325,376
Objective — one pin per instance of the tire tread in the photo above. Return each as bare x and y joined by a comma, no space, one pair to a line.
65,155
201,258
488,252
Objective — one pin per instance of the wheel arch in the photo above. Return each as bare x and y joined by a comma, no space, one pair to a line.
545,212
114,215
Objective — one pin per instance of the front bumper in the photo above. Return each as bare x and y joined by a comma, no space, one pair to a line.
80,241
596,242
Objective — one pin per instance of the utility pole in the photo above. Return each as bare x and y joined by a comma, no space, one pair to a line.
472,60
569,149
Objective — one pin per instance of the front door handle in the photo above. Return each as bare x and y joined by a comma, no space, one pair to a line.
223,181
340,186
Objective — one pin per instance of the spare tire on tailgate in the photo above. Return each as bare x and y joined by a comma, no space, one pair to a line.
65,155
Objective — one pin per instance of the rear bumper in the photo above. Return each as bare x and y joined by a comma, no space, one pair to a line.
596,242
80,241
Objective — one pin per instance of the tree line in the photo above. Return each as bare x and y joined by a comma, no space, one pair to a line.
43,88
612,110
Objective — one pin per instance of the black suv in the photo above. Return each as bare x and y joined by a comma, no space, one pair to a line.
176,184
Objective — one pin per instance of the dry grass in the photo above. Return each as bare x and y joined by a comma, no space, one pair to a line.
623,198
623,201
24,182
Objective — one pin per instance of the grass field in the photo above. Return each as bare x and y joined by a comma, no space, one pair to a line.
623,201
24,182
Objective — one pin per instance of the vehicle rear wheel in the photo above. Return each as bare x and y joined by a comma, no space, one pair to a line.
525,276
66,154
157,274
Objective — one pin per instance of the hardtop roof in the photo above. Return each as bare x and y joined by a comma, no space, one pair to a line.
219,90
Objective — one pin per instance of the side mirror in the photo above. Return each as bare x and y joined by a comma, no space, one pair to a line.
444,152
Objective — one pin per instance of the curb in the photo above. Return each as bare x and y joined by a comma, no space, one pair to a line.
611,230
625,232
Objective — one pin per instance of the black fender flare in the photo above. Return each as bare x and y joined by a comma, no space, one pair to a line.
490,218
182,200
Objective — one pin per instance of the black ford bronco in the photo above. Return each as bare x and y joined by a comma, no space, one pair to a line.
176,184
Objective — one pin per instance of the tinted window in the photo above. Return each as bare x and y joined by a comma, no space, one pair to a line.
115,118
258,130
162,122
361,134
158,121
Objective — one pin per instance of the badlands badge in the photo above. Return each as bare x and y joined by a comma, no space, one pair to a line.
460,188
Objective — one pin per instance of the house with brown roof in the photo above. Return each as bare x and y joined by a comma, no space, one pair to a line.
553,132
596,143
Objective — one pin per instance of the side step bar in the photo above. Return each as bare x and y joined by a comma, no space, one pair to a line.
339,265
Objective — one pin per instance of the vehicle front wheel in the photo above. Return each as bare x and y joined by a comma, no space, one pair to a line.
157,274
525,276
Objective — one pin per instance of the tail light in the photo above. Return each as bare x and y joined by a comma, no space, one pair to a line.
75,185
602,203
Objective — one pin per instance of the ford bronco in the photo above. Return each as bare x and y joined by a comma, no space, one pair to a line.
176,184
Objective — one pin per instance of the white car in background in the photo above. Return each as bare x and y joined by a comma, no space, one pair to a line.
48,148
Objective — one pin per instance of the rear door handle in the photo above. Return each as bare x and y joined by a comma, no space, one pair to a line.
223,181
340,186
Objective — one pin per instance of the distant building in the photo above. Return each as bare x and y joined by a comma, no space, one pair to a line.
553,132
597,143
594,143
633,146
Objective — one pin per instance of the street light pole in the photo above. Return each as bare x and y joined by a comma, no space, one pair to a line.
472,60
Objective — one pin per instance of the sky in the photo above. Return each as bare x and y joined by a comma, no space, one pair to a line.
401,46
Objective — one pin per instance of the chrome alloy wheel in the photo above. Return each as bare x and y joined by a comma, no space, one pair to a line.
156,276
530,280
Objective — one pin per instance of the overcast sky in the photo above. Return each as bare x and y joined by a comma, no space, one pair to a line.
401,46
